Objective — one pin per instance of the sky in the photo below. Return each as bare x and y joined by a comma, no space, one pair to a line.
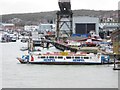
31,6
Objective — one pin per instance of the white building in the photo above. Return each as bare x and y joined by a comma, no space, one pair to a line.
7,26
47,27
31,28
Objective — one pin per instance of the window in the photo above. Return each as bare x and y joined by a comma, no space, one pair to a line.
77,57
51,56
42,56
60,57
86,57
55,56
72,57
81,57
68,57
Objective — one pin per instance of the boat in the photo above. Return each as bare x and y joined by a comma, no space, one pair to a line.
13,39
64,58
24,59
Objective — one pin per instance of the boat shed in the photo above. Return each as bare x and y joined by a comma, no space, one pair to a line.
85,24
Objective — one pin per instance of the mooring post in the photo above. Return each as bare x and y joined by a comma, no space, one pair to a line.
114,61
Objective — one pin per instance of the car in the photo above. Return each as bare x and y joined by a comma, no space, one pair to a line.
24,40
13,39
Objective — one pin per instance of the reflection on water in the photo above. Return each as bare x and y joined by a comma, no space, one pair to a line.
16,75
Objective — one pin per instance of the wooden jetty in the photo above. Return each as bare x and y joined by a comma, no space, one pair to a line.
63,47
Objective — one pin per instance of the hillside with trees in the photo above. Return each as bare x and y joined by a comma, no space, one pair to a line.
49,17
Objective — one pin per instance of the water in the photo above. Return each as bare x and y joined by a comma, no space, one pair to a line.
16,75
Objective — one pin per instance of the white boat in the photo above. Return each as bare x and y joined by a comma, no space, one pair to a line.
64,58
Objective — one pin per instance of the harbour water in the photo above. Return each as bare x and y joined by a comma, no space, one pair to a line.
16,75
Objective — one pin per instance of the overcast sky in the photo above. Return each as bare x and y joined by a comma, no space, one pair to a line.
29,6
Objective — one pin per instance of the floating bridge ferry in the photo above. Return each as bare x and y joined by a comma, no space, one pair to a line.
61,58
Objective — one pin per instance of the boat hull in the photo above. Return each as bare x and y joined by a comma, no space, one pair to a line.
21,60
66,63
62,63
89,59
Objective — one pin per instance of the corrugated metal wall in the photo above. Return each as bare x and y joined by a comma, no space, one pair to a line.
84,28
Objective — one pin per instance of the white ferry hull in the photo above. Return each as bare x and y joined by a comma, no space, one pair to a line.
88,59
66,63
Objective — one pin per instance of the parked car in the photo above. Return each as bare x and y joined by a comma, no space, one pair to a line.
24,40
13,39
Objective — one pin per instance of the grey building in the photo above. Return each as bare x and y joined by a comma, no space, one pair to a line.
85,24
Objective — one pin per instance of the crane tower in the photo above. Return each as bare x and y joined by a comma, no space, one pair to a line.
64,18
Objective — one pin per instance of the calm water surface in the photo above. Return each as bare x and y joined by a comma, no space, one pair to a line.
16,75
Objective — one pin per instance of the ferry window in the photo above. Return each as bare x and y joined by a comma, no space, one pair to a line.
60,57
42,56
77,57
86,57
51,56
81,57
55,56
68,57
38,56
72,57
90,57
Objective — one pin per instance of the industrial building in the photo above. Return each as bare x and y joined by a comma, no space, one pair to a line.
85,24
82,25
67,24
108,28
